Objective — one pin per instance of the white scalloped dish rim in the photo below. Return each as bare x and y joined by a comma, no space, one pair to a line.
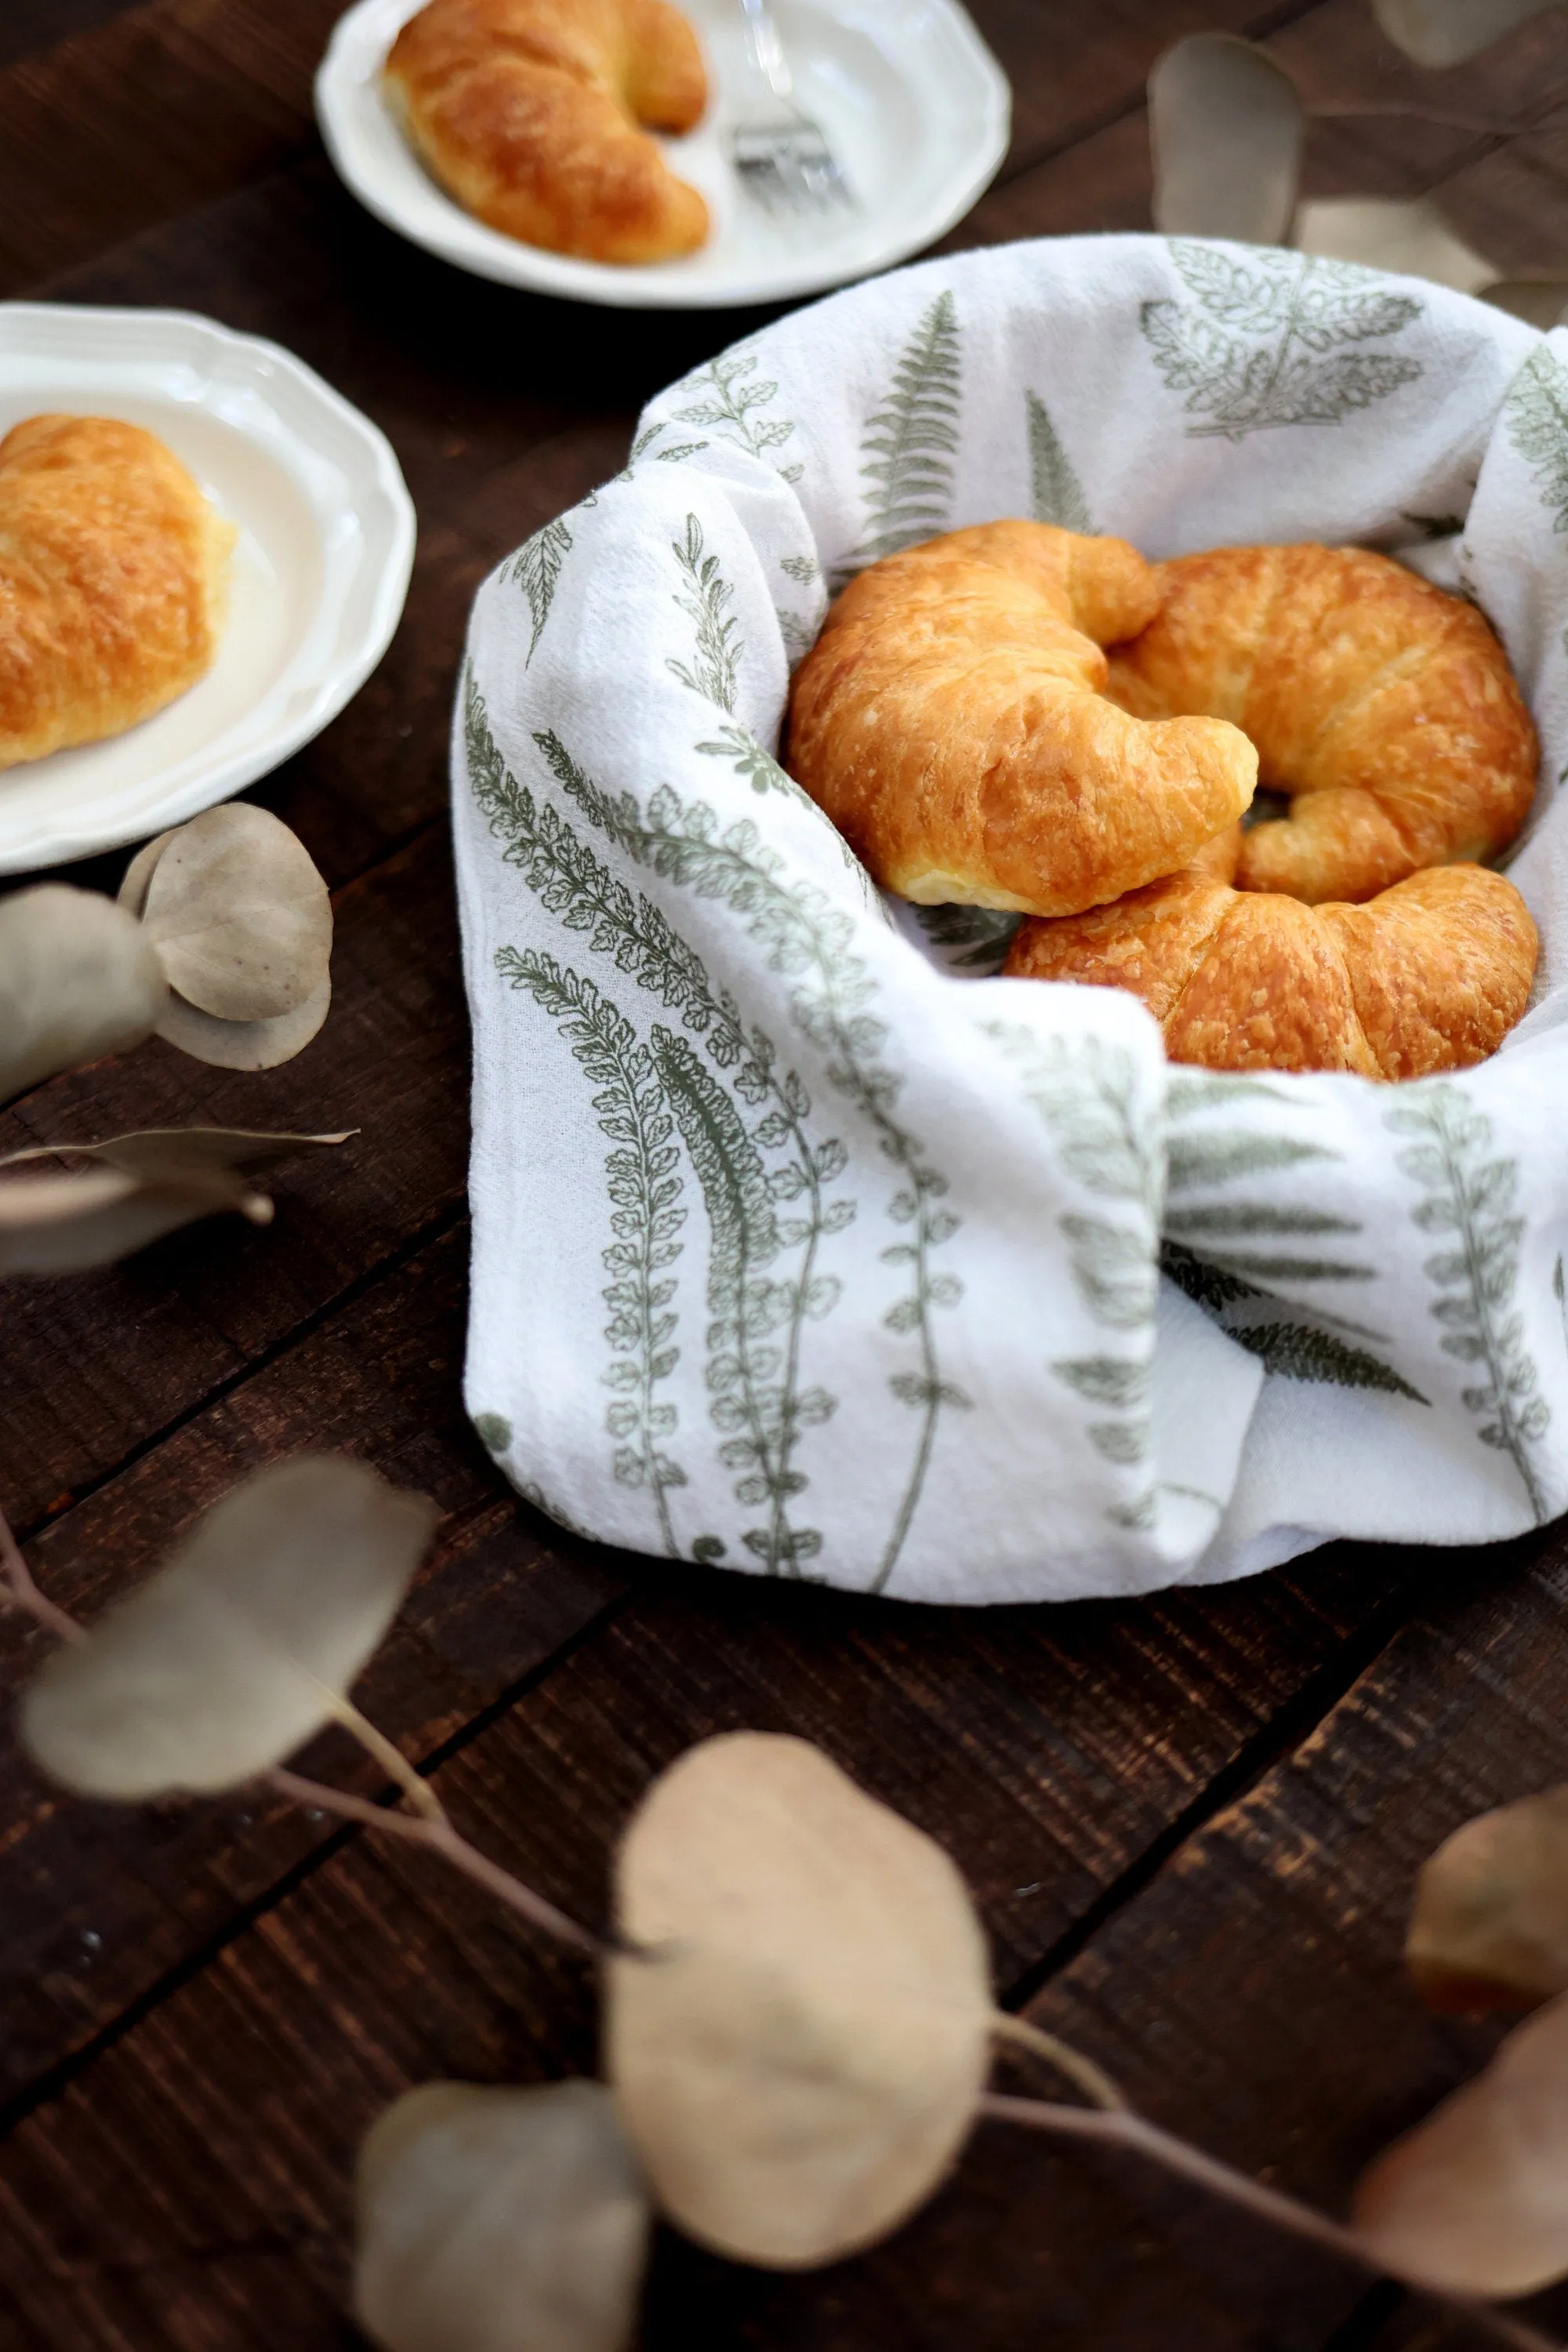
916,109
320,570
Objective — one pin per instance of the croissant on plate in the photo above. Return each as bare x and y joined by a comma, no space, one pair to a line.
113,573
1429,975
534,114
951,720
1384,706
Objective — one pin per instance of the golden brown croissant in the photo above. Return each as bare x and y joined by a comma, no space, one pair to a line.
112,578
1431,975
1385,707
527,111
950,719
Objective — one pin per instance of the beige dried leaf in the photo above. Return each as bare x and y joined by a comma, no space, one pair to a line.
798,2058
132,891
62,1224
1539,302
238,1649
1406,235
1474,2199
1226,130
499,2220
1489,1926
161,1151
243,1044
77,979
238,914
1447,32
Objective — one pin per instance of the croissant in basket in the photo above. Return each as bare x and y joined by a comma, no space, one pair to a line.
1430,975
113,573
1383,706
527,112
951,722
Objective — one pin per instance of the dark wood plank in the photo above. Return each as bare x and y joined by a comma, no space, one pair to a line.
27,26
1048,1749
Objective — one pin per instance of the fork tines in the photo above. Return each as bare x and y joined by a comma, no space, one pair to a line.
789,166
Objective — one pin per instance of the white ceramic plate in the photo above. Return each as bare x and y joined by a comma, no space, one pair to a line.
913,103
320,567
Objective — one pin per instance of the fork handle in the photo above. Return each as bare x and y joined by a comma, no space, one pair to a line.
766,48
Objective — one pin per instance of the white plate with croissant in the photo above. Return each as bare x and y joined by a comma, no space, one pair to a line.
581,147
204,552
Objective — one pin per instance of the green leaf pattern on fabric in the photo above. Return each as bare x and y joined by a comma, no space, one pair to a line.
800,1168
644,1183
1468,1199
969,939
809,940
1536,418
536,568
1263,339
1087,1094
1056,493
1227,1245
910,440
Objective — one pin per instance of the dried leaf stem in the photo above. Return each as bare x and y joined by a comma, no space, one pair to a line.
16,1578
390,1757
1122,2127
438,1835
1091,2080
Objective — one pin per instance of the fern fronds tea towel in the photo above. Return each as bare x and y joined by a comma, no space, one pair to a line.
805,1245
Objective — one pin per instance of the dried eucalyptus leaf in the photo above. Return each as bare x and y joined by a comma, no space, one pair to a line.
77,979
799,2055
499,2220
132,892
239,916
1226,127
1540,301
1447,32
60,1224
232,1655
1392,233
1474,2199
1490,1927
243,1044
161,1151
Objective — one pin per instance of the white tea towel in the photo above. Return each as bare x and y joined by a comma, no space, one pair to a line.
805,1247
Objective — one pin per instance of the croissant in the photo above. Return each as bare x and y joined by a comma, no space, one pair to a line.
113,573
1431,975
527,112
952,722
1384,706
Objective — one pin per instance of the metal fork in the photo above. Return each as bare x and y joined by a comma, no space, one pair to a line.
780,154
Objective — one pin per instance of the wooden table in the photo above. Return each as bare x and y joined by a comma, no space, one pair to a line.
1190,1821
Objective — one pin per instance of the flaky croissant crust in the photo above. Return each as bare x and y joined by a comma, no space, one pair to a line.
1429,975
113,573
1383,706
951,720
527,111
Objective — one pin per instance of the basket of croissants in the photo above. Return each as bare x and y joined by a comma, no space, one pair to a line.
1030,807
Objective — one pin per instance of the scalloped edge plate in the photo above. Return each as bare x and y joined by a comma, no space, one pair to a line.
916,109
320,568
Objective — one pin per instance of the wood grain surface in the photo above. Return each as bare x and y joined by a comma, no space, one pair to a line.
1191,1822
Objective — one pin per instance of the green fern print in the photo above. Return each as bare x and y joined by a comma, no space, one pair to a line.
731,398
536,568
911,441
1086,1092
1536,415
969,939
645,1187
806,938
1269,340
1056,493
705,597
571,882
1227,1247
740,748
1467,1199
